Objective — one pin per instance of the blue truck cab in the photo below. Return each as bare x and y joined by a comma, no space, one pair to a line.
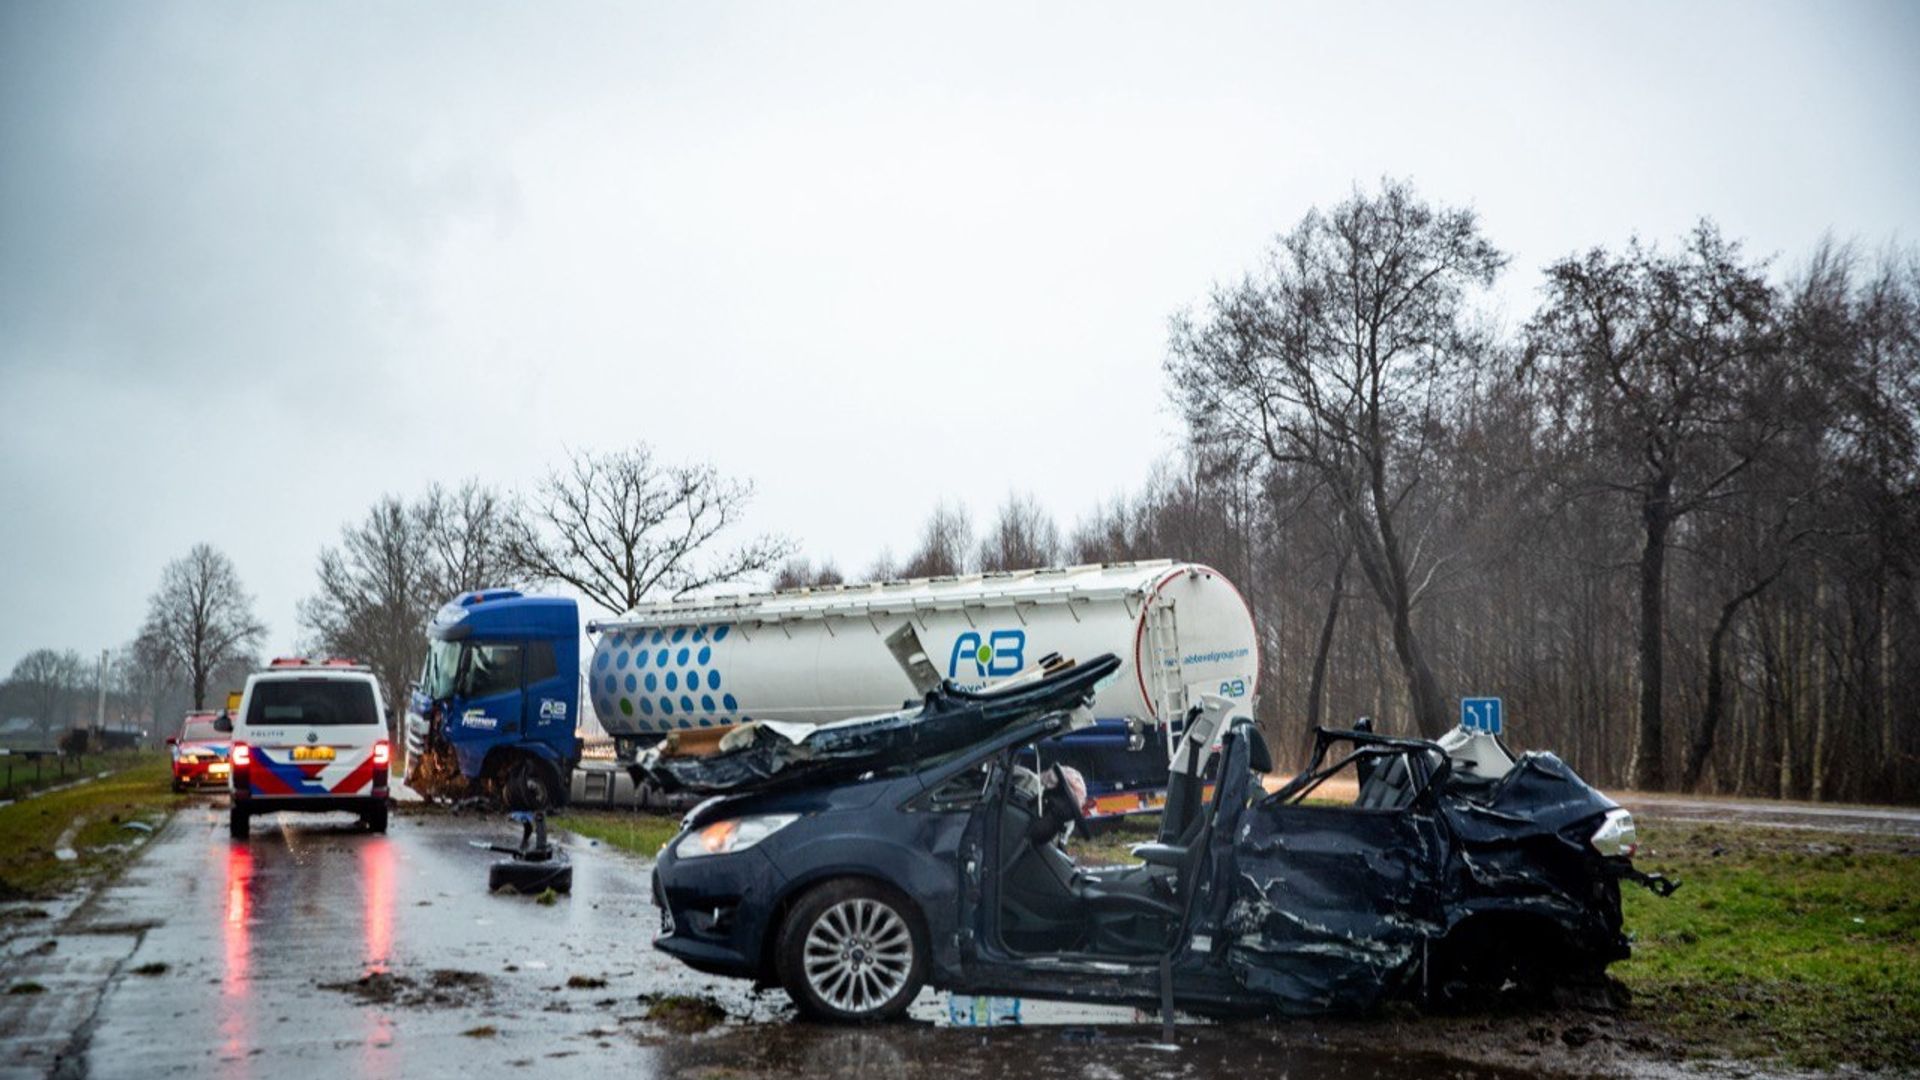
496,707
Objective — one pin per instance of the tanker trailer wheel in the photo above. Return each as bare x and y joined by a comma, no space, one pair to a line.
852,950
530,785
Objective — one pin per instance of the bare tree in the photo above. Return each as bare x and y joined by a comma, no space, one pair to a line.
1338,358
200,617
464,531
376,592
1023,536
618,526
1104,535
44,681
152,682
799,572
883,567
946,543
1662,373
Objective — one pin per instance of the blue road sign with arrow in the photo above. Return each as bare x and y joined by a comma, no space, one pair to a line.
1481,714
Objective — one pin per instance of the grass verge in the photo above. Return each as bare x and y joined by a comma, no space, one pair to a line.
97,812
1782,943
20,777
642,834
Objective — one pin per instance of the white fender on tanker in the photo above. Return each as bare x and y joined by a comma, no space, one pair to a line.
820,654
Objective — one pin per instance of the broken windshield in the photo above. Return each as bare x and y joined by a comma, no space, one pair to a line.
443,663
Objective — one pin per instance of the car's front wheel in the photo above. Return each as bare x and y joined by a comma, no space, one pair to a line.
237,823
852,950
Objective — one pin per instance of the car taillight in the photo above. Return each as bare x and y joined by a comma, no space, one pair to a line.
382,752
242,755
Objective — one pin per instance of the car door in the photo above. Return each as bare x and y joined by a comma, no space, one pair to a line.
1333,900
489,704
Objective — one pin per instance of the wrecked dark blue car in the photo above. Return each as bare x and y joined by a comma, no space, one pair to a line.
855,863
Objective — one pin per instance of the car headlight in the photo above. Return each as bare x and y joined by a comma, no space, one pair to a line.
1616,835
731,835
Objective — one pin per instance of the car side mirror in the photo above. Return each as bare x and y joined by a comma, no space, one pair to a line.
171,741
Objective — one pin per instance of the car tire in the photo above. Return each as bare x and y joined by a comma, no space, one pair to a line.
376,819
531,785
178,787
530,878
852,951
237,824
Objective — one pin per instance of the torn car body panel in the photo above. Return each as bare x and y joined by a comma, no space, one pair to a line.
1341,907
1331,906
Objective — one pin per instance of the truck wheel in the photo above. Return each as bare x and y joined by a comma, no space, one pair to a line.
237,823
376,819
530,878
531,786
851,951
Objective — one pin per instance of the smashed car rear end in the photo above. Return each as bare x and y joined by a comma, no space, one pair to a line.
1435,884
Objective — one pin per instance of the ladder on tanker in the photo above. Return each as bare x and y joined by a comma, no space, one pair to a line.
1165,684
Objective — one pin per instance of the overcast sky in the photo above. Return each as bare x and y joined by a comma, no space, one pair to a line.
260,264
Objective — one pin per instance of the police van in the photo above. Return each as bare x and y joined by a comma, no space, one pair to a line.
310,736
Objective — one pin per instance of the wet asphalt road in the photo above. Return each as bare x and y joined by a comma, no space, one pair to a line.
1895,821
317,949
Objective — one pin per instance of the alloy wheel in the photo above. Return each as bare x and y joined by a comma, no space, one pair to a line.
858,955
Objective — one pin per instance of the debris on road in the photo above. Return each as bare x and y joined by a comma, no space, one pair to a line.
536,867
444,988
684,1014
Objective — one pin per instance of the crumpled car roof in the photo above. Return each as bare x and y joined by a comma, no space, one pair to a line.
766,754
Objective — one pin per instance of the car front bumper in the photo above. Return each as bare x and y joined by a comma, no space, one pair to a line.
716,910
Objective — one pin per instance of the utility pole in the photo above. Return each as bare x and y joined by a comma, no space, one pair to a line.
100,702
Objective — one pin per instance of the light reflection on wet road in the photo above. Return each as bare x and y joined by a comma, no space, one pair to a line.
316,948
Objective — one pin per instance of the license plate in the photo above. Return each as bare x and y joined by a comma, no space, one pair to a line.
313,753
218,770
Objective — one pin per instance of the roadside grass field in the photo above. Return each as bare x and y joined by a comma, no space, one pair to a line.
20,776
642,834
96,812
1782,943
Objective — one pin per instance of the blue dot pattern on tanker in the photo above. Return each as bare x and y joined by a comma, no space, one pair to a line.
666,677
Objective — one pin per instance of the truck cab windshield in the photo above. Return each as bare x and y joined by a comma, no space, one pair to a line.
443,664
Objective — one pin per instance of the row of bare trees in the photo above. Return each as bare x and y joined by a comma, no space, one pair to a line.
1673,517
199,638
615,527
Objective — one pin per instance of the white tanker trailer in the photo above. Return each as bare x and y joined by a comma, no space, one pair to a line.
821,654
